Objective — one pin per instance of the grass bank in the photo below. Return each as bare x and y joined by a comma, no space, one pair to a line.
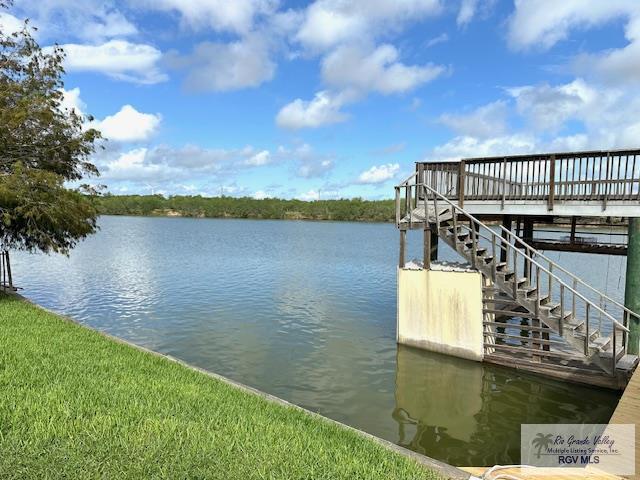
76,404
355,210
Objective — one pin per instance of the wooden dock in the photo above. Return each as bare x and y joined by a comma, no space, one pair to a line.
541,474
628,411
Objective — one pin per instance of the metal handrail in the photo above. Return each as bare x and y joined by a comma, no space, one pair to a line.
573,277
517,251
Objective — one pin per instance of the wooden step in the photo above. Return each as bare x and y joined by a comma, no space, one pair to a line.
551,306
575,326
627,363
602,343
606,354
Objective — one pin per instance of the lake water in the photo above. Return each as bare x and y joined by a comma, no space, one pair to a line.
305,311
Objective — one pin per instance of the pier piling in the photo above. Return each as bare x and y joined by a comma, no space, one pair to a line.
632,286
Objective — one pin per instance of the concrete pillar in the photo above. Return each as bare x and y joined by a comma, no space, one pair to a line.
632,286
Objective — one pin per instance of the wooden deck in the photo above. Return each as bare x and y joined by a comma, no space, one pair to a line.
628,411
593,184
542,473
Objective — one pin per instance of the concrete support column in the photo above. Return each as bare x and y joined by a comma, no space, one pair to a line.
632,286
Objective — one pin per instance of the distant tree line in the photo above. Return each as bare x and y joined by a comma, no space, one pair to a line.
355,209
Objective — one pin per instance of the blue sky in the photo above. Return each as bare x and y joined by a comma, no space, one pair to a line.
331,98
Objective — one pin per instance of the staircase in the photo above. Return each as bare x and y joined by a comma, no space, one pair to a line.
582,316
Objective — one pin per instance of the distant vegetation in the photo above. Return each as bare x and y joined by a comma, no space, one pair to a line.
245,207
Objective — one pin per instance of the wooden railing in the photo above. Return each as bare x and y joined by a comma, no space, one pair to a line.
587,176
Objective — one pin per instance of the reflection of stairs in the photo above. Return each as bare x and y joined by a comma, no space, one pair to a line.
481,247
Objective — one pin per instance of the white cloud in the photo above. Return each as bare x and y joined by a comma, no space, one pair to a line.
235,16
10,24
118,59
310,196
618,65
135,166
379,173
314,168
442,38
261,195
111,24
261,158
352,67
572,116
227,66
308,163
93,20
324,109
466,147
549,107
486,121
128,125
71,101
608,116
466,12
330,22
543,23
352,72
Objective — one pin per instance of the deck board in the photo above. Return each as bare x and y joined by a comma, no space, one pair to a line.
628,411
543,473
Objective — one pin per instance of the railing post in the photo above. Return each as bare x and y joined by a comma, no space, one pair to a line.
614,357
403,241
474,246
537,308
587,335
504,181
632,285
461,183
494,268
419,180
426,262
515,272
398,206
607,181
552,182
560,322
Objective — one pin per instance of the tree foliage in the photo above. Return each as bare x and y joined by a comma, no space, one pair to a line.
42,146
230,207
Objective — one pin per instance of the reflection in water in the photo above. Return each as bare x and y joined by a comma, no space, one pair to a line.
305,311
469,414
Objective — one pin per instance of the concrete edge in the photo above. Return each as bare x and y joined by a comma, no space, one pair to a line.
449,471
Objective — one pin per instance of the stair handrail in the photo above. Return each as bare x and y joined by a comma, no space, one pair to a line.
573,277
607,299
615,323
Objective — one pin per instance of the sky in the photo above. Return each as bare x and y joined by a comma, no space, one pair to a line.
332,98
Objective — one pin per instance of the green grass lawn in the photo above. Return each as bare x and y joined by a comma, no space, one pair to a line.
76,404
